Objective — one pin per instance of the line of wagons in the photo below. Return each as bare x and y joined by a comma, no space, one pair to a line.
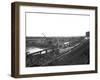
62,48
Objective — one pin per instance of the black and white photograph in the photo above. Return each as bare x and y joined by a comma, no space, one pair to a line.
58,39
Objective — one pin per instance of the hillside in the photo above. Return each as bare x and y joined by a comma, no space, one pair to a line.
78,55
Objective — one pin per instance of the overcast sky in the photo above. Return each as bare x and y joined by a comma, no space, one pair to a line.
56,25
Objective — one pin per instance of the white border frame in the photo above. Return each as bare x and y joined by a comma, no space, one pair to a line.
53,69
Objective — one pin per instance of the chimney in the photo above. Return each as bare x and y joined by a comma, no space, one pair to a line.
87,34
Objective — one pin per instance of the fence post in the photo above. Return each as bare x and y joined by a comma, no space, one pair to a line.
46,51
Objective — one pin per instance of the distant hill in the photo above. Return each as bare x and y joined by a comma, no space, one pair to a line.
45,42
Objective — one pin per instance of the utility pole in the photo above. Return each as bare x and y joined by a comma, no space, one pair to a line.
43,35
